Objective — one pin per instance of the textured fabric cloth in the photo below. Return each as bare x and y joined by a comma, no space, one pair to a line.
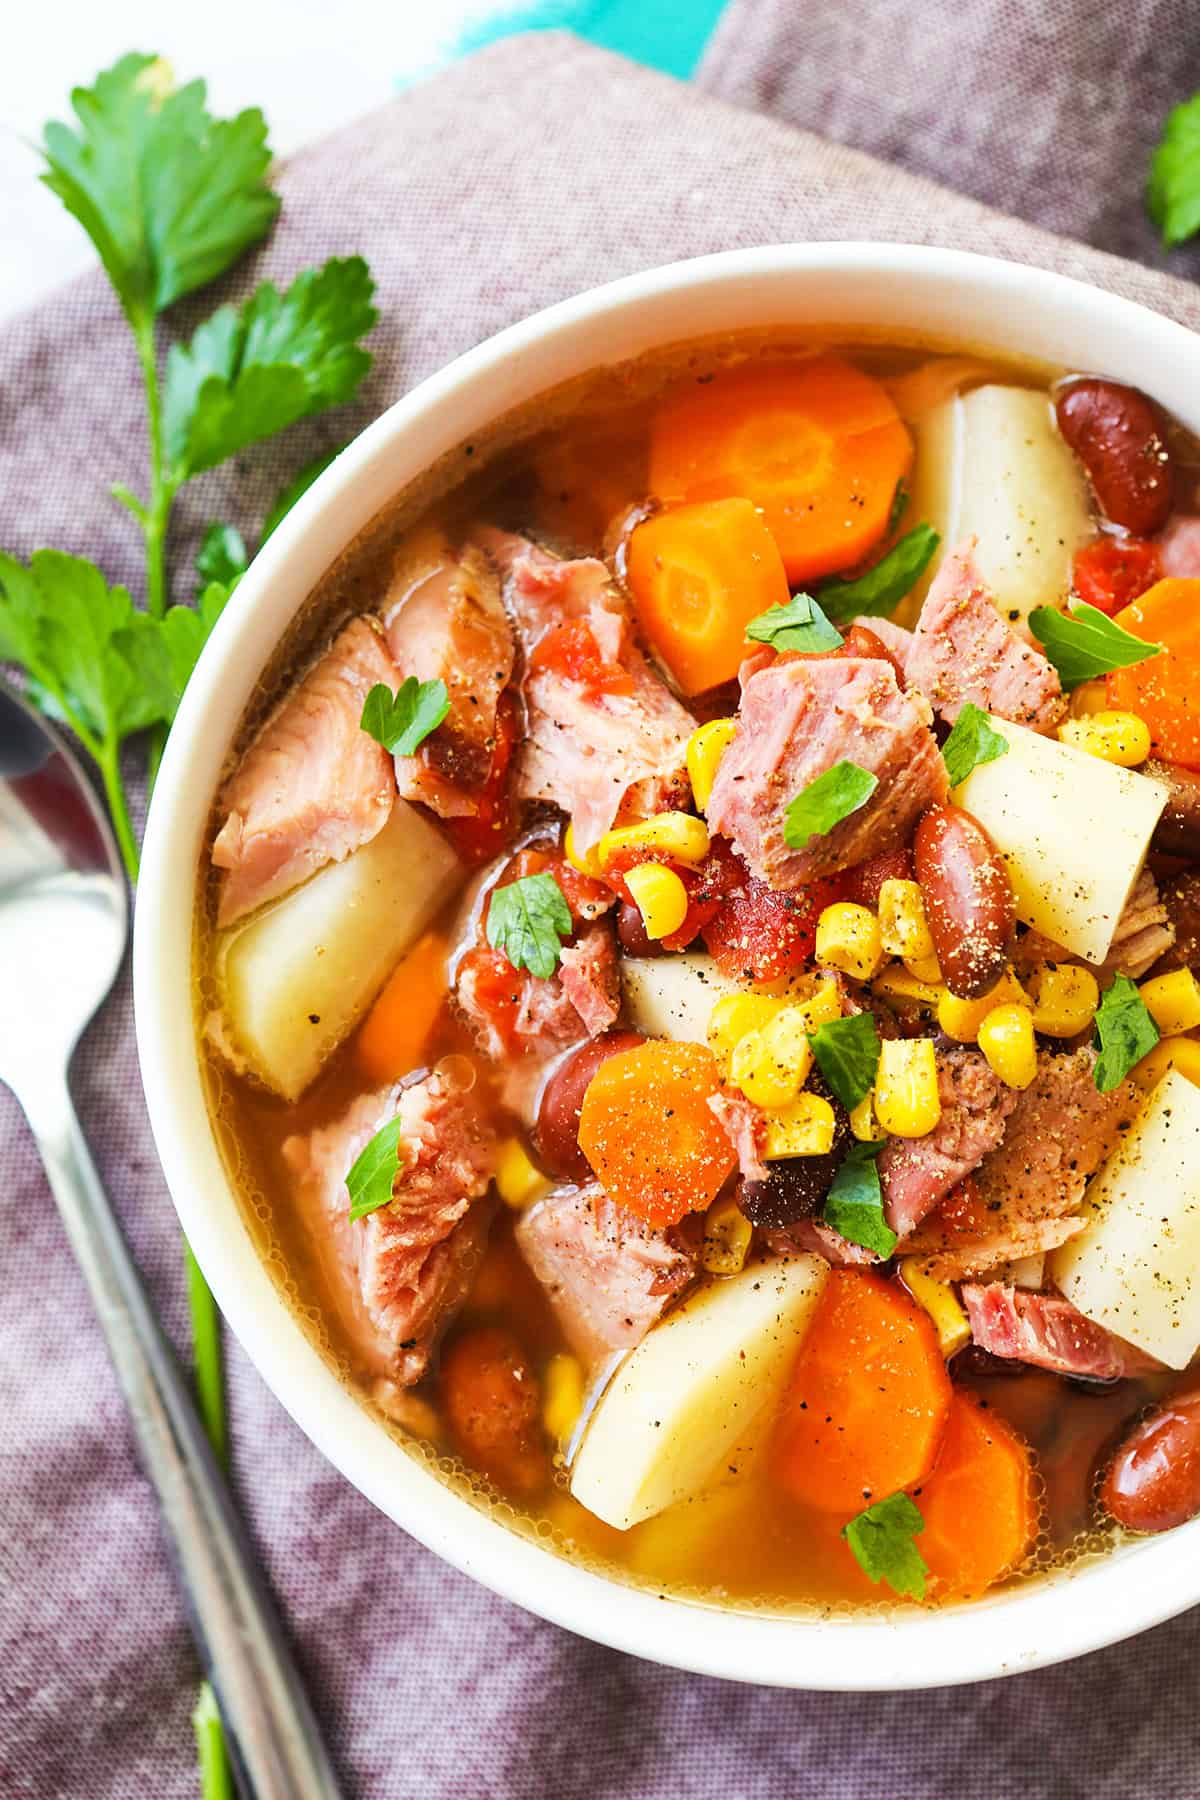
535,170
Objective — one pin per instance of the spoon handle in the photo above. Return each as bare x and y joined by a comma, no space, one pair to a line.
272,1735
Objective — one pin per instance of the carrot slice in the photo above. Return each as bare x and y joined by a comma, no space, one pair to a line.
646,1128
867,1400
980,1504
397,1027
698,575
818,446
1165,691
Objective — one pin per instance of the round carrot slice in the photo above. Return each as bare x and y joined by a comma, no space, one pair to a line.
647,1130
817,445
1165,690
867,1400
980,1504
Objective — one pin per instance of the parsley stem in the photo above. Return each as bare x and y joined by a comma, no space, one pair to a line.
155,515
206,1357
216,1776
107,757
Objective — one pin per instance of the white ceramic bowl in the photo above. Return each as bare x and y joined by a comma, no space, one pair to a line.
944,294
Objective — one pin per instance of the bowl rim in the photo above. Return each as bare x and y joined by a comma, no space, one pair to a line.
1141,1585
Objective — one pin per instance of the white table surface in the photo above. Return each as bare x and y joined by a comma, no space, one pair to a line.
310,64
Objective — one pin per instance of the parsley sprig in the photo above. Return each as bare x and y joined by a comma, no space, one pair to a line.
526,919
883,1540
1173,188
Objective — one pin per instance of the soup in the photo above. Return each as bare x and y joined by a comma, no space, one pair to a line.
696,957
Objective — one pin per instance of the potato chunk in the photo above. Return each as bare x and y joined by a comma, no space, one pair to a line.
1073,832
297,977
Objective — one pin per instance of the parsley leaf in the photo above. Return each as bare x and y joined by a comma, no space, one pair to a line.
900,500
1173,188
1125,1032
526,919
402,721
373,1173
248,372
797,625
827,800
883,587
881,1537
847,1053
973,740
854,1203
1085,642
166,656
170,196
222,556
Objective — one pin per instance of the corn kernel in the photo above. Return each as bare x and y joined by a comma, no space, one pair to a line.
762,1077
1065,998
863,1123
961,1019
907,1103
727,1238
562,1396
660,897
706,747
586,861
848,940
786,1038
518,1181
1089,697
804,1127
903,927
676,834
1173,1001
818,996
1182,1053
1007,1041
898,983
924,968
736,1014
941,1303
1116,737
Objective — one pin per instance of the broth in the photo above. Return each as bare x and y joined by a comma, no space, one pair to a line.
560,473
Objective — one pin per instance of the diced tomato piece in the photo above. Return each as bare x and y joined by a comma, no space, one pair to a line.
573,652
962,1214
756,934
864,881
719,874
578,890
480,837
1112,572
499,989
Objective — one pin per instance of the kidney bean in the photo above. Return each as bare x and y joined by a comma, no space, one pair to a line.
968,899
1178,830
492,1403
1116,433
556,1134
631,930
796,1186
1153,1481
1181,897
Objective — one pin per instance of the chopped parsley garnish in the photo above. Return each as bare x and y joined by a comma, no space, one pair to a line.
973,740
884,586
847,1053
1125,1032
402,721
798,625
525,921
1085,642
826,801
854,1203
882,1540
1173,189
373,1173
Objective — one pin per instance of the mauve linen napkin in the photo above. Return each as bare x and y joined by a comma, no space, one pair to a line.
536,169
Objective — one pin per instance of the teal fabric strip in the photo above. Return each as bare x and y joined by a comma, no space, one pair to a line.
664,34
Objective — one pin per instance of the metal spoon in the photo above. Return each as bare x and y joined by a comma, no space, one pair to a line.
63,928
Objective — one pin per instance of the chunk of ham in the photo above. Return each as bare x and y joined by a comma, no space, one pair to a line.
1029,1188
742,1122
514,1013
798,717
313,786
916,1174
604,755
963,650
895,638
607,1275
445,621
1179,546
590,974
814,1237
1048,1332
398,1275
